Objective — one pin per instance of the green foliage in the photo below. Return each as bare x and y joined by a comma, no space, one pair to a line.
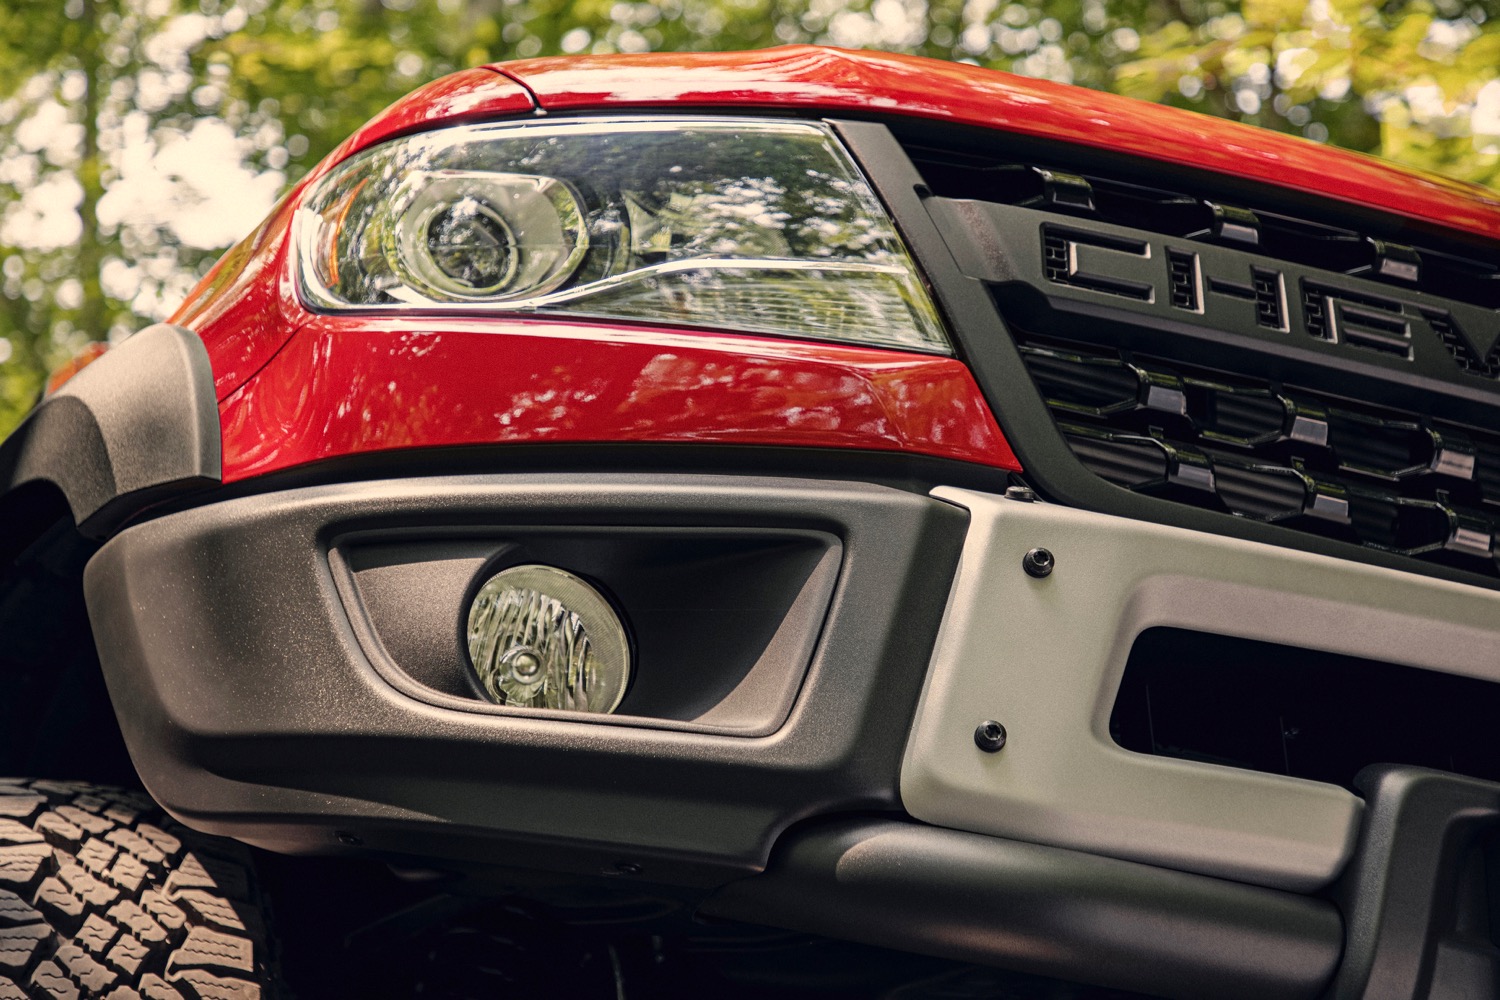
107,104
1415,82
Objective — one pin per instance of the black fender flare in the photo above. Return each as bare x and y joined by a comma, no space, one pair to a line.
137,426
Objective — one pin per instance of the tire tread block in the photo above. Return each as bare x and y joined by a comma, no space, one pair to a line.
59,832
96,856
130,874
86,821
129,955
92,891
50,981
206,949
21,866
200,870
19,805
138,846
97,934
140,924
201,985
58,904
14,910
101,896
217,912
122,815
154,987
20,946
163,910
160,839
93,976
13,831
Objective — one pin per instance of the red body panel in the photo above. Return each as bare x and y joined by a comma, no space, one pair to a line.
246,307
347,385
836,80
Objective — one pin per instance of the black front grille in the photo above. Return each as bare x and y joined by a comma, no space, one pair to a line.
1379,477
1333,371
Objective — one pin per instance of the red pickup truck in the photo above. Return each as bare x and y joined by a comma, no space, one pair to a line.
796,523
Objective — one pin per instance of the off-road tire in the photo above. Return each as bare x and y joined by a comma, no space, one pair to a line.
102,895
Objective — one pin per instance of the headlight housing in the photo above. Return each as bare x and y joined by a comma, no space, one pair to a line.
755,225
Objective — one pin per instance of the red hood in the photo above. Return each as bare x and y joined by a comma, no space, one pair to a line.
837,80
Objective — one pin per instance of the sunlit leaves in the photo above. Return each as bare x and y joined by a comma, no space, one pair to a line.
1413,73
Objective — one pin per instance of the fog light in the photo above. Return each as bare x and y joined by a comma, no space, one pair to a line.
540,637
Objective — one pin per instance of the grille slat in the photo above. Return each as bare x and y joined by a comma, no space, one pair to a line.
1268,494
1131,463
1243,418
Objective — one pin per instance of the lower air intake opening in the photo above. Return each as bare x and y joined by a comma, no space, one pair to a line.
1300,712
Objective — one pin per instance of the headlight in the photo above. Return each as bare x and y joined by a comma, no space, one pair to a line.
759,226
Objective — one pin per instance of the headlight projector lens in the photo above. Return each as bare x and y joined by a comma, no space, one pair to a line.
539,637
465,235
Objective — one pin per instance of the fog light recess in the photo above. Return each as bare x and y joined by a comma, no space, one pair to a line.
540,637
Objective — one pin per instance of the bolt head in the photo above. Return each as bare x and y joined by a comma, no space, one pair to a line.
1038,563
990,736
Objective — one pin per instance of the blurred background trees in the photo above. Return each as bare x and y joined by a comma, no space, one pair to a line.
140,138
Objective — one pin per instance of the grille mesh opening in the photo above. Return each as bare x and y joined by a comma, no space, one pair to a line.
1281,709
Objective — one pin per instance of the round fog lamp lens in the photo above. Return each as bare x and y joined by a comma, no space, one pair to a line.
540,637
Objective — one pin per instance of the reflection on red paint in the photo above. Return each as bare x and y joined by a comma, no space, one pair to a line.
343,386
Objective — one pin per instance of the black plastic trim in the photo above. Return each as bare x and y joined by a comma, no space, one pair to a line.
904,471
137,426
1422,895
251,709
986,345
1042,910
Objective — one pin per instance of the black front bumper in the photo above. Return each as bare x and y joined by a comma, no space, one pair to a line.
272,688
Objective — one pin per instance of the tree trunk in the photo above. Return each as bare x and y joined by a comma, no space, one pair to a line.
94,314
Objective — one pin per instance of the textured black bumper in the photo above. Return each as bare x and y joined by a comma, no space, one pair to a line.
271,659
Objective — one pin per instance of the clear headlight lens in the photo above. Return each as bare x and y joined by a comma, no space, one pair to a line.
540,637
759,226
